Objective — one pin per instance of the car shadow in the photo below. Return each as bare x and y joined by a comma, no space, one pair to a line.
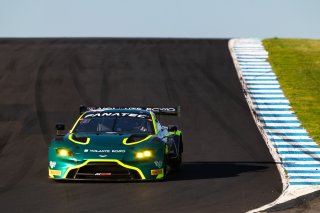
210,170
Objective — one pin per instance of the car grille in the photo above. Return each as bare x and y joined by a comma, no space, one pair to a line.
103,171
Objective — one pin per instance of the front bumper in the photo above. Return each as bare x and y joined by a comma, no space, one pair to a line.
106,170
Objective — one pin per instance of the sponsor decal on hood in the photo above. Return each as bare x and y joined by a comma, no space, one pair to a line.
105,150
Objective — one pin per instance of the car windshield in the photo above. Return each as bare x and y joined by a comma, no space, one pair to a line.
114,124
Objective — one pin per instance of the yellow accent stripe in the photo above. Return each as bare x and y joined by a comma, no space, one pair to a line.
125,140
74,141
50,175
178,132
161,175
108,160
166,149
75,124
154,123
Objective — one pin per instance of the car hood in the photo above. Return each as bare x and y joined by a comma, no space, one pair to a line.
101,146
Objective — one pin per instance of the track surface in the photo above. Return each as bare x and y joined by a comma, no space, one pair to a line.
227,166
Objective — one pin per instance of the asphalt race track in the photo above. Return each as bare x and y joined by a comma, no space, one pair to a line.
227,166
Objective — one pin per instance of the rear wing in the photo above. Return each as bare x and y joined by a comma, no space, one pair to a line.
156,110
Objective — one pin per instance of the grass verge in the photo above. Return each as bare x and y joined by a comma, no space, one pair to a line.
296,63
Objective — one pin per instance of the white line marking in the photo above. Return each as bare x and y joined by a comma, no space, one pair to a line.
302,168
262,82
262,106
315,162
260,77
281,124
288,137
287,131
298,155
304,180
304,174
265,91
263,86
275,112
293,143
271,101
267,96
261,66
279,118
259,74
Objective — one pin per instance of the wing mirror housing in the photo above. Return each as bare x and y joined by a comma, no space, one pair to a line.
60,127
172,128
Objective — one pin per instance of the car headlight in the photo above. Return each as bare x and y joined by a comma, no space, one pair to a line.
144,154
64,152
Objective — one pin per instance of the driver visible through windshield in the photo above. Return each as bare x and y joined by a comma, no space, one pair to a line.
115,122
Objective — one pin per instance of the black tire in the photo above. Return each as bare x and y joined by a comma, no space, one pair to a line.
175,164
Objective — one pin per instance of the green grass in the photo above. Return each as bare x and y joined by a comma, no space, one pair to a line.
296,63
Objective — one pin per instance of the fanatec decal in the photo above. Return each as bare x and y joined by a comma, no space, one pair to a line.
108,114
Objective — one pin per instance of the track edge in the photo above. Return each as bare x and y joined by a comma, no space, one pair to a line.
289,194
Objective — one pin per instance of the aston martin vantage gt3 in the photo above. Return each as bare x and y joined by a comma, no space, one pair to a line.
116,144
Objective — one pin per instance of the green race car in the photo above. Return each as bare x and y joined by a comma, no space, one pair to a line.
116,144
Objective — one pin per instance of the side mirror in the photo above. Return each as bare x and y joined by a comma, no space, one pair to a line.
60,127
172,128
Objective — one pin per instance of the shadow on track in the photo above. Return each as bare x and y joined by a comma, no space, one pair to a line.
211,170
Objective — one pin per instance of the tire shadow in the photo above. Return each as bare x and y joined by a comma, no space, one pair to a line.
210,170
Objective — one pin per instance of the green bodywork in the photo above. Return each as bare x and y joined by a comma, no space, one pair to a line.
110,147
